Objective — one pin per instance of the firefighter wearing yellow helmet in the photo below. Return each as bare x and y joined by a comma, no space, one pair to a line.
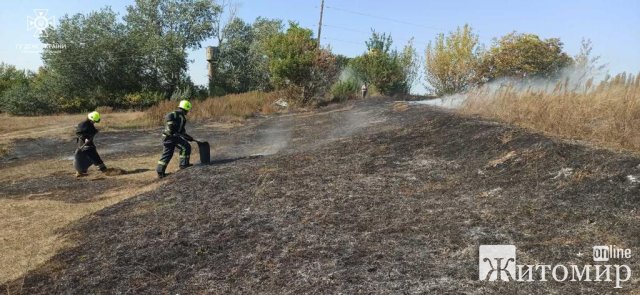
86,154
174,135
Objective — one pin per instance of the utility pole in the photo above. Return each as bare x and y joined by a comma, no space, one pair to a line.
320,23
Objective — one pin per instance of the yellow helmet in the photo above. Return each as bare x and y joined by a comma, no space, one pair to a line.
94,116
185,105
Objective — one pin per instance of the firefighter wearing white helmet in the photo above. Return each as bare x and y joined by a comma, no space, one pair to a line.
86,154
175,135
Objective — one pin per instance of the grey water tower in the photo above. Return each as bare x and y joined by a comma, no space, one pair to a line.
212,59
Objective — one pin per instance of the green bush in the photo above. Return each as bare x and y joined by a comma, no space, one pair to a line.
140,100
73,104
390,71
21,99
452,61
297,64
517,55
345,90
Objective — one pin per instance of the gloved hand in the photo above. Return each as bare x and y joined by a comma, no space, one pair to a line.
167,133
188,137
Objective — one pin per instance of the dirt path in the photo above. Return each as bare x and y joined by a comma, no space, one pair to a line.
377,198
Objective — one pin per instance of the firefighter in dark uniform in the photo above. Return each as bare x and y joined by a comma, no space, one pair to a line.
85,132
174,135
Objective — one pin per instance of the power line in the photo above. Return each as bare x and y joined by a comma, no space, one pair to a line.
363,32
340,40
384,18
344,28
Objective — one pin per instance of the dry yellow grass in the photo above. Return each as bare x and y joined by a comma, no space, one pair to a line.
29,228
607,114
57,126
228,107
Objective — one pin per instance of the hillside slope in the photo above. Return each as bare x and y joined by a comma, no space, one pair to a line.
379,198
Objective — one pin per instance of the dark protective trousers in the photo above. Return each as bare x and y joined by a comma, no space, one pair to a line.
170,143
87,155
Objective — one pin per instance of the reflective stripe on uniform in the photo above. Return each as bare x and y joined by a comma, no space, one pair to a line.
181,123
162,163
183,151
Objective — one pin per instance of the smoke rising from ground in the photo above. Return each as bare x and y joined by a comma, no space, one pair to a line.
571,79
275,137
279,133
349,122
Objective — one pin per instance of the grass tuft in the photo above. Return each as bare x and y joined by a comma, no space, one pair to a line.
228,107
4,149
607,114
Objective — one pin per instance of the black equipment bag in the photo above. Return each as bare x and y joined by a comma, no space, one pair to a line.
205,153
80,161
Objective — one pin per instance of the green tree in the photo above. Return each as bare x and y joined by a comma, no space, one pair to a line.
263,30
342,61
324,73
97,59
241,64
410,64
164,30
92,56
291,55
228,14
31,94
233,73
586,66
451,61
387,70
297,64
10,76
22,100
523,56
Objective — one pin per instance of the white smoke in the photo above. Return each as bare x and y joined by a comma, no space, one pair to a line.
453,101
349,122
274,138
570,79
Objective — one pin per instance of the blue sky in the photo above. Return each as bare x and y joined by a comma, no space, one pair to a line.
613,25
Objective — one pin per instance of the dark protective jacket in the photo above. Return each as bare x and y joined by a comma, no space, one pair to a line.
86,130
175,123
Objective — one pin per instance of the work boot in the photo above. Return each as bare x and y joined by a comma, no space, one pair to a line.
81,174
186,166
103,168
160,170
